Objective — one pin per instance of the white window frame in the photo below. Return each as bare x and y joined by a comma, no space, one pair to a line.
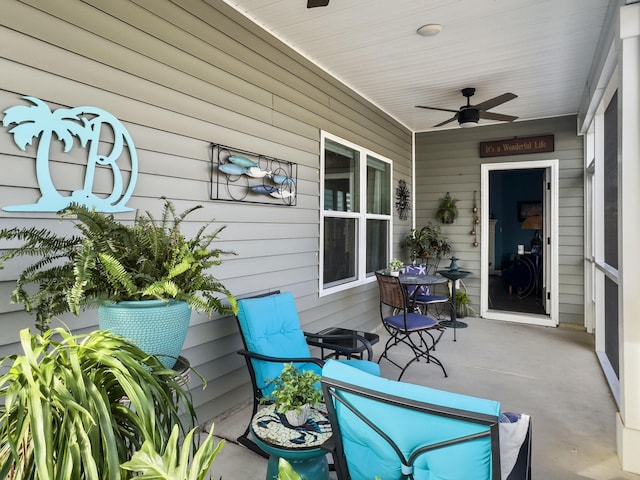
361,216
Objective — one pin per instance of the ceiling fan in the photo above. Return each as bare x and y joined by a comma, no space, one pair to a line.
468,115
317,3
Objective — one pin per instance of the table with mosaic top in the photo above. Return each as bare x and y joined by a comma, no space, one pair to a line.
301,446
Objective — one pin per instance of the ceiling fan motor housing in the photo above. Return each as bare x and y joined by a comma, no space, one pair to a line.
468,116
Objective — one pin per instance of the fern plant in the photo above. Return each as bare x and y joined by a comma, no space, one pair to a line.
109,261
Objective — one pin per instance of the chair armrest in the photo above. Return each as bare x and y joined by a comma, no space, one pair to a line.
331,341
266,358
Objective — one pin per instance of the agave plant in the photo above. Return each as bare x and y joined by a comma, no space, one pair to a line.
62,413
111,261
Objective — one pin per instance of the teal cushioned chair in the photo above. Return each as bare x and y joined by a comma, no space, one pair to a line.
272,336
393,430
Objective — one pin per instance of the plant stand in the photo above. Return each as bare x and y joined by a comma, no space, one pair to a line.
453,275
300,446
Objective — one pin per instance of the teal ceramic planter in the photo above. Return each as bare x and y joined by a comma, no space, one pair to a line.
157,327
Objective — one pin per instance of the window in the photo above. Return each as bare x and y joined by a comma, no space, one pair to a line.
355,214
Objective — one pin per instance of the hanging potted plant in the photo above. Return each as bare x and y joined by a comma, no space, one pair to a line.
294,393
144,277
447,210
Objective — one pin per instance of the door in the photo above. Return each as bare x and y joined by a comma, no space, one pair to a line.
524,260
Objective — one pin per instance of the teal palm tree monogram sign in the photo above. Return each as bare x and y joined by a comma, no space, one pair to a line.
87,124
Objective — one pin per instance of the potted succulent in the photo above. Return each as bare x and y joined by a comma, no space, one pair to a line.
62,408
395,266
146,268
447,210
294,392
427,242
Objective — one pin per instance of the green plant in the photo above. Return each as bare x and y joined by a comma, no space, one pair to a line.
428,241
175,461
293,388
110,261
463,304
395,265
447,210
77,406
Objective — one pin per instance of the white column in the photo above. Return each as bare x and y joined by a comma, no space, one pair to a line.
628,422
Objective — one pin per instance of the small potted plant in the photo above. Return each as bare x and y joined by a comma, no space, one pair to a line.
294,392
395,266
463,304
447,210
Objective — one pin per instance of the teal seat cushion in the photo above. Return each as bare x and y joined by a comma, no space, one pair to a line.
368,455
270,326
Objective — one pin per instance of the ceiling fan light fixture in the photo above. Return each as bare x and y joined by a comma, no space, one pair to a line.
469,117
429,30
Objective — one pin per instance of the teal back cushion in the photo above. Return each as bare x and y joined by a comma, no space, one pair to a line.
369,456
270,326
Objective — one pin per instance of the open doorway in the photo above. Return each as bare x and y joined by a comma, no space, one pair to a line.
519,215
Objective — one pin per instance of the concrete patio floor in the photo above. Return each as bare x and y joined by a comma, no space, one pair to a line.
550,373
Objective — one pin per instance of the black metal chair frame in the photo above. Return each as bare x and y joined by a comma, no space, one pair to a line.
394,295
440,305
244,438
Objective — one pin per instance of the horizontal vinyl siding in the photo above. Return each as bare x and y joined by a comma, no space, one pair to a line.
449,161
180,75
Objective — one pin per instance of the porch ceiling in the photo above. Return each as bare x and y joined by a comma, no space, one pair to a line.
540,50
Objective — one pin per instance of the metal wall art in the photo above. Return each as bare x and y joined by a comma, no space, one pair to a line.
242,176
403,200
36,123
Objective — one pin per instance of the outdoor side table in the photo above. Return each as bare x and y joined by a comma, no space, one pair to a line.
300,446
345,342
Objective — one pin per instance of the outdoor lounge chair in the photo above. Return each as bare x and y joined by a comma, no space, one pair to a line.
394,430
272,336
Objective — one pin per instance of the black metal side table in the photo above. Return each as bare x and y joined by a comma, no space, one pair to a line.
454,274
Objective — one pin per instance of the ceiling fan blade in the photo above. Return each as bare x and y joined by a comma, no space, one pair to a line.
496,116
317,3
452,119
494,102
439,109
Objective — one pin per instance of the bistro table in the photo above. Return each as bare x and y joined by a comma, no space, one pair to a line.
300,446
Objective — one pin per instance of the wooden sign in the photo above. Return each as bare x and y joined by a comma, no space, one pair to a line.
517,146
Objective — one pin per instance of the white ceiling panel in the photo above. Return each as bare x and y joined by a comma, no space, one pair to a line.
540,50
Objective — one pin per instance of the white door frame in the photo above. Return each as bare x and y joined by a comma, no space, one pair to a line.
551,319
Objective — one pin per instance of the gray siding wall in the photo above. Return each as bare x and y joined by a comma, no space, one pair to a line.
180,75
449,161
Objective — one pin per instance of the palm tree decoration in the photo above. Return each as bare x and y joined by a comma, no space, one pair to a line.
37,121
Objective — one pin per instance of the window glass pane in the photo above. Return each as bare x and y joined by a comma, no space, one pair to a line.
340,251
377,245
341,178
378,186
611,183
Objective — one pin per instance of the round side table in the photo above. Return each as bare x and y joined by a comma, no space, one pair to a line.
300,446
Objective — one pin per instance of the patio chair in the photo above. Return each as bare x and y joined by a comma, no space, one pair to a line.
406,327
393,430
272,336
424,299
